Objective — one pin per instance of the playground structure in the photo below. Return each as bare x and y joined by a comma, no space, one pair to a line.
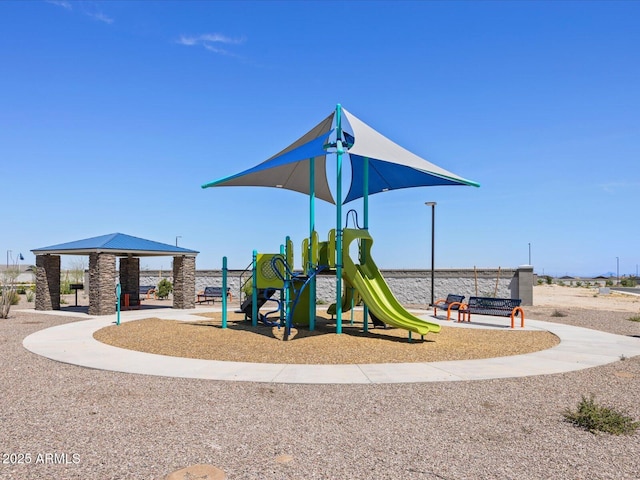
377,165
274,273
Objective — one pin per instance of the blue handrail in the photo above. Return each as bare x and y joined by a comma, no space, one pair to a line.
287,279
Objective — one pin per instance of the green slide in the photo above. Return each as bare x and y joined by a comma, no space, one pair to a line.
373,289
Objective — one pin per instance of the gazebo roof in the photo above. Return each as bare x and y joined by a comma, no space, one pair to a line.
118,244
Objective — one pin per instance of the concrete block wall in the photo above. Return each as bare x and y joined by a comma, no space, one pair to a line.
411,287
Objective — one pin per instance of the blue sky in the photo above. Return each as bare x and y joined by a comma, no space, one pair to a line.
113,114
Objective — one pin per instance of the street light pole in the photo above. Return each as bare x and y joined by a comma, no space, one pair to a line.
529,254
618,270
433,241
177,237
8,252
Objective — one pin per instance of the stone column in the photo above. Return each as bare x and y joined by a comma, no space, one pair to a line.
130,274
525,284
102,284
184,282
47,282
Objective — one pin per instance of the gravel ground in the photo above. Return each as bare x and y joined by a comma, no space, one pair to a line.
109,425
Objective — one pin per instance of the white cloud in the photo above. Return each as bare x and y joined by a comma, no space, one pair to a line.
211,42
60,3
100,16
614,187
87,8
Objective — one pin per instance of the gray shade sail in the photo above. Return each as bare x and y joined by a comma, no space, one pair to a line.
391,166
289,169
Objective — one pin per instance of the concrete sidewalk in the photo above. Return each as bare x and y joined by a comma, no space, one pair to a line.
579,348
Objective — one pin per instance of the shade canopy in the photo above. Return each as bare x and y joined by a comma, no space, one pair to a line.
390,166
117,244
289,169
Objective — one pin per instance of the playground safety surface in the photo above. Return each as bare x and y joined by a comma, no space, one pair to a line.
579,348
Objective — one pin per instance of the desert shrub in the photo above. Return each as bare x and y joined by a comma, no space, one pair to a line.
165,287
548,279
635,318
609,283
596,418
30,296
578,284
558,313
14,298
628,282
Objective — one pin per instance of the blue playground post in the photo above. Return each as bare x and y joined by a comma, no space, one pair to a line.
224,292
254,290
339,152
312,227
284,296
118,291
363,250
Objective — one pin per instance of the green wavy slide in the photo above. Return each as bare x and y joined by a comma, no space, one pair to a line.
373,288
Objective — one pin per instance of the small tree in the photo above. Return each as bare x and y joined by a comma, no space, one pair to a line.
8,293
165,287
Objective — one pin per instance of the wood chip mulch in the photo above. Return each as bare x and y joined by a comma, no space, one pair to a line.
240,342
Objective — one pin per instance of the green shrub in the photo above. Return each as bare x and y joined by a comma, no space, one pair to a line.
165,287
609,283
596,418
628,282
65,287
549,279
635,318
15,298
29,296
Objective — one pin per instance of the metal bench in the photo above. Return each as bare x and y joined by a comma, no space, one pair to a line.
147,291
452,302
211,293
501,307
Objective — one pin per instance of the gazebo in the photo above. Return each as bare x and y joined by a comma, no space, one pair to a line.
102,252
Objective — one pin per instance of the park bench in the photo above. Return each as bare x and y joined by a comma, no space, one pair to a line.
147,291
452,302
502,307
211,293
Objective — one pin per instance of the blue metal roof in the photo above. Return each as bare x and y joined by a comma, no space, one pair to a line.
116,243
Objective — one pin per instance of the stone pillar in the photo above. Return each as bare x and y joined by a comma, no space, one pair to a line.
47,282
102,284
130,274
525,284
184,282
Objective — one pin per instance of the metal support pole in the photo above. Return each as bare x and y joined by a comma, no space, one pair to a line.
118,291
254,290
312,226
339,152
224,292
365,211
433,250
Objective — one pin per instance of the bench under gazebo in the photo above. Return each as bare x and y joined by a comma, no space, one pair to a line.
102,252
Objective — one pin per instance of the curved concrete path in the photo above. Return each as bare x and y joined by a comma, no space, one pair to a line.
579,348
